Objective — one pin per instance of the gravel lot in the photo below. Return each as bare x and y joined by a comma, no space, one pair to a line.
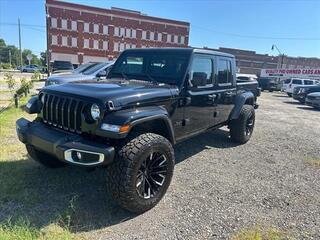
220,188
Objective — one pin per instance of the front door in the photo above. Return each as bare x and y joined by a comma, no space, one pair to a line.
199,100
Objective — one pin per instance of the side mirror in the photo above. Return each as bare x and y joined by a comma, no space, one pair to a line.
199,79
102,73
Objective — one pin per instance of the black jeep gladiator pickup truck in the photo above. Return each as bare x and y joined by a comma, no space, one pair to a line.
152,99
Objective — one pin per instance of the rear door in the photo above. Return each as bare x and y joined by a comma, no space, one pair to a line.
225,88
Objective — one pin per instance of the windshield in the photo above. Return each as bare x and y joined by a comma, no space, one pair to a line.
94,69
162,67
84,67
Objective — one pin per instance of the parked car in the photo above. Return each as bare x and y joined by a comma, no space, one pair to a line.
285,84
313,100
94,71
30,68
296,82
152,99
300,93
62,66
268,84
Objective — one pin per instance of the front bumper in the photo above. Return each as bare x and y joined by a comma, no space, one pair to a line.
66,147
313,103
298,96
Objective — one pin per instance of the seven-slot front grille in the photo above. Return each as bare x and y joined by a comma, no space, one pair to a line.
63,112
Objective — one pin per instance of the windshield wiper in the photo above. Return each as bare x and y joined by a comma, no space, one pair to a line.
151,78
124,75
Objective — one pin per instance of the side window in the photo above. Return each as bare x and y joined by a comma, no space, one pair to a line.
308,82
299,82
201,71
224,72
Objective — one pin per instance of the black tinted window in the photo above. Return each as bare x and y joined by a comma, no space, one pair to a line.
296,82
308,82
224,71
202,66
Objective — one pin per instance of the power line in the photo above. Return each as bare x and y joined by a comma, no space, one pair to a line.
258,37
23,25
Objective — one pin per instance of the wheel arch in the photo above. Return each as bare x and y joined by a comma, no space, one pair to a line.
246,98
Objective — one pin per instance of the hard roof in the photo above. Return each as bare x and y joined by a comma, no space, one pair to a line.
195,50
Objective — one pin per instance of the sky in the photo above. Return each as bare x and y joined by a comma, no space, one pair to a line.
293,25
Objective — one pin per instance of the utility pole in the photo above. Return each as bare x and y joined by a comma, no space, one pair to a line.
10,57
47,33
20,44
281,55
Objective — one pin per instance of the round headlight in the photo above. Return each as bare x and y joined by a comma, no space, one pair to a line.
42,98
95,111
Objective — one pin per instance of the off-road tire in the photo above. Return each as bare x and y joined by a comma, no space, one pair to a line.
289,94
122,173
238,127
43,158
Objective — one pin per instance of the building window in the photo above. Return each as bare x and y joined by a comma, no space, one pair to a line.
121,47
74,42
95,28
152,36
53,22
133,46
64,41
142,46
86,43
74,25
116,47
64,24
134,33
122,32
105,45
86,27
54,40
169,38
116,31
95,44
127,46
105,30
144,35
160,37
128,32
182,39
175,39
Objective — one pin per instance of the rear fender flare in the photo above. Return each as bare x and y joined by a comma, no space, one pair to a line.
241,100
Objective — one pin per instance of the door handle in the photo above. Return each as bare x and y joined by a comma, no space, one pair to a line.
212,97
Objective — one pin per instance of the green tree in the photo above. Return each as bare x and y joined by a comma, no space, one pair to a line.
43,58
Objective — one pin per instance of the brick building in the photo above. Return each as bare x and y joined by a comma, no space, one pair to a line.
81,34
251,62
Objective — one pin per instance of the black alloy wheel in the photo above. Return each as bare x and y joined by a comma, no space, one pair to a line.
151,175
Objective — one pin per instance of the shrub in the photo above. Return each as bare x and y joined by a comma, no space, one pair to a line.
5,66
10,81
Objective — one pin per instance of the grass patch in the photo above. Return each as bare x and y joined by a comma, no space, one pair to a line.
23,230
257,233
313,161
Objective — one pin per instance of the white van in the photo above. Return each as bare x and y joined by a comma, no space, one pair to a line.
295,82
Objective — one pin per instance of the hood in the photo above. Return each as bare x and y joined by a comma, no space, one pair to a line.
65,78
122,94
315,94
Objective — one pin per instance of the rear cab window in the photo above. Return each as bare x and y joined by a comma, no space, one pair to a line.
224,72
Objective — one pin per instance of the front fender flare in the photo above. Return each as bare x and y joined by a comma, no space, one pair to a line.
134,117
